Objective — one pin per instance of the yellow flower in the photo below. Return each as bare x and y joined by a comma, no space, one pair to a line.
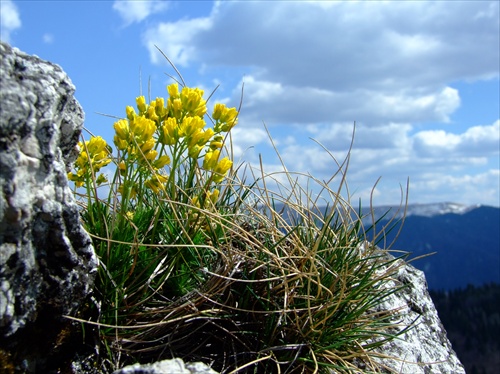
148,145
151,155
221,169
218,109
191,125
210,160
156,183
194,151
226,118
143,129
122,128
94,155
195,202
193,102
98,165
160,109
167,134
130,112
96,144
229,115
101,179
160,178
173,90
217,142
151,113
83,158
122,166
141,104
213,196
161,162
121,144
176,108
198,140
76,178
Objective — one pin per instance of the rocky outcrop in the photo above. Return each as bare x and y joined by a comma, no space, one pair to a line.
47,262
175,366
424,348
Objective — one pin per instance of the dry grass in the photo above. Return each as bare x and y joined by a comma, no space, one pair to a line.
276,285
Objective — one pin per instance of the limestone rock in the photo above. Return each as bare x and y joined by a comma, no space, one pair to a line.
47,262
174,366
425,348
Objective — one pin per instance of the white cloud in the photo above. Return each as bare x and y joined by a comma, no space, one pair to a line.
350,44
437,162
245,140
10,19
179,35
366,61
311,69
479,188
138,10
477,140
48,38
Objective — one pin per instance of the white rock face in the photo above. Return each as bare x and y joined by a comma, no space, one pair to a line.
425,348
47,262
175,366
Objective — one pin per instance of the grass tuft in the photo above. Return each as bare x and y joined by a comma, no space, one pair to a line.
199,264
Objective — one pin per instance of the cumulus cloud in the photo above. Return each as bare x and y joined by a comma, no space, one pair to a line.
180,34
477,140
138,10
467,188
10,20
350,44
395,152
369,61
311,69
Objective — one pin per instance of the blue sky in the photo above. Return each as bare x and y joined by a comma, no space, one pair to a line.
421,80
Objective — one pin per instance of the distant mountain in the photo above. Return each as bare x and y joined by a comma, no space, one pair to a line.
422,210
466,239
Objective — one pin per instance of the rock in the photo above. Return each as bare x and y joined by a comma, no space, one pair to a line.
174,366
47,262
425,348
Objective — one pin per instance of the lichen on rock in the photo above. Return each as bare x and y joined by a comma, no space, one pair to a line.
47,262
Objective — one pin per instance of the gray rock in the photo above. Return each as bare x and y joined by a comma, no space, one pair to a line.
174,366
47,262
425,348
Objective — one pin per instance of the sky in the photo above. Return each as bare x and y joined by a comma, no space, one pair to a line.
419,79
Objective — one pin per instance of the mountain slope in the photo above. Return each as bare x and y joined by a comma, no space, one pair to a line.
467,245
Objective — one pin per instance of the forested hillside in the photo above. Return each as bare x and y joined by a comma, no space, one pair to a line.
471,317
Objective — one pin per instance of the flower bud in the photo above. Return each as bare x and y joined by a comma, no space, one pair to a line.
141,104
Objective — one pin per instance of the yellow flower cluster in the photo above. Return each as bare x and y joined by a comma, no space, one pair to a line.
94,155
210,198
208,201
178,125
166,134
